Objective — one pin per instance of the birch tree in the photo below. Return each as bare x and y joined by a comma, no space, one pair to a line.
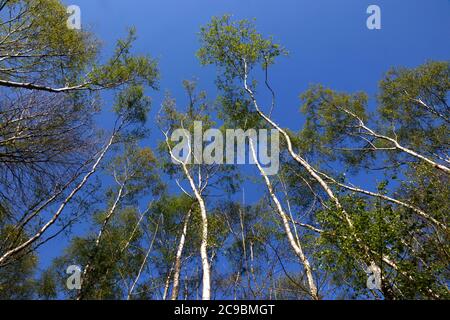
51,85
199,176
237,49
134,173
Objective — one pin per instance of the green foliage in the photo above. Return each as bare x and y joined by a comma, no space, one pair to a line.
111,264
39,28
247,246
327,126
414,102
385,231
229,44
16,278
123,67
47,288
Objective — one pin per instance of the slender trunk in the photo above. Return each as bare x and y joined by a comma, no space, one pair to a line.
206,290
121,249
32,86
418,211
417,155
397,144
88,267
186,288
322,183
244,250
167,284
177,270
144,262
296,246
61,208
206,280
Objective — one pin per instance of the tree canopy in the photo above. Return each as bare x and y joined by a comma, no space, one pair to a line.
157,226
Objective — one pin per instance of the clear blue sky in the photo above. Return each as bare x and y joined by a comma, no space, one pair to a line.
328,41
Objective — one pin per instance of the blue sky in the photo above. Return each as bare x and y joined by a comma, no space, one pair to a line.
328,42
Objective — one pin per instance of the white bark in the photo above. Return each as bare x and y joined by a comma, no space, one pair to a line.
296,245
396,144
167,284
122,249
32,86
206,280
61,208
88,267
294,155
316,176
177,269
144,262
418,211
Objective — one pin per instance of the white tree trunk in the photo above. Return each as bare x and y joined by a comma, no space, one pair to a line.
61,208
296,245
206,280
396,144
144,262
417,210
316,176
167,284
88,267
177,270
